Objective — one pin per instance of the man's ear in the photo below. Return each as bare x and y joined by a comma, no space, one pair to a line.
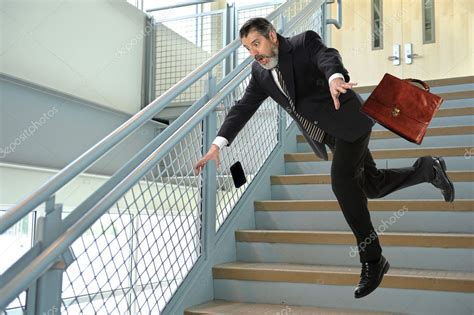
273,36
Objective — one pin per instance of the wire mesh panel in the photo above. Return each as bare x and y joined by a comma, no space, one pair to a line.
18,306
251,147
183,44
133,259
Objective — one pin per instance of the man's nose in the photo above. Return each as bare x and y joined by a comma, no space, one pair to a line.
253,52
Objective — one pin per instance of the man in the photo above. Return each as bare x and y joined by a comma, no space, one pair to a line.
309,80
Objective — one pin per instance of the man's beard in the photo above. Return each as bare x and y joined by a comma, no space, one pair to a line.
272,59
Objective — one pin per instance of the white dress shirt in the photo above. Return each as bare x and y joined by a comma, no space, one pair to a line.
222,142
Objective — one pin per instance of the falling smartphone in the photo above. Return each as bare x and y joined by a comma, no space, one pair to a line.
238,174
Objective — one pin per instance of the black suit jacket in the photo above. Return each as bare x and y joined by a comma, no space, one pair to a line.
306,65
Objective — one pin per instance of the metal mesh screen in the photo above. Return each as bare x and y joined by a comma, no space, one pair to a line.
132,260
182,44
250,150
18,306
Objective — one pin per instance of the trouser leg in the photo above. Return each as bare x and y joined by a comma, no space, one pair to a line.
346,172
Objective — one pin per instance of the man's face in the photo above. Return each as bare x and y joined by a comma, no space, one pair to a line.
264,50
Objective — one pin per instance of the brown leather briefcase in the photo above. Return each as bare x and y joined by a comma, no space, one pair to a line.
402,107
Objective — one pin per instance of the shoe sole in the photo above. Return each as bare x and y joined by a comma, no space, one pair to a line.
386,267
443,166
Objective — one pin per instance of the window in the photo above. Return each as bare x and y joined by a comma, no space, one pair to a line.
428,21
377,24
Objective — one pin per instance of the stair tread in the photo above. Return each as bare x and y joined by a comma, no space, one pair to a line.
431,131
294,267
301,179
220,307
387,153
432,83
404,239
420,234
374,205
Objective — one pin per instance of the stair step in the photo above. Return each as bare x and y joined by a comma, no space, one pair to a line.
437,240
456,95
387,153
220,307
431,83
303,179
455,111
374,205
433,280
434,131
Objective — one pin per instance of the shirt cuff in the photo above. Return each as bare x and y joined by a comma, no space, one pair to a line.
336,75
220,142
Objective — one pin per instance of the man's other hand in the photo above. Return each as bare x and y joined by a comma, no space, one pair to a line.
337,87
212,154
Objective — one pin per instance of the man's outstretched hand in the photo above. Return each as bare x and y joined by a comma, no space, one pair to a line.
338,86
212,154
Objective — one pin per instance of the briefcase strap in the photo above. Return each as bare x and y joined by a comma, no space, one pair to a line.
427,88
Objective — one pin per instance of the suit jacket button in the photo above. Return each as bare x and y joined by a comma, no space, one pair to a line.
315,122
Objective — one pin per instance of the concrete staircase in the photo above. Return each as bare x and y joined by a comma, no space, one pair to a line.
302,259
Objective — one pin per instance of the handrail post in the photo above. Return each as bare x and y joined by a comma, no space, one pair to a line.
230,61
281,125
209,185
281,23
48,288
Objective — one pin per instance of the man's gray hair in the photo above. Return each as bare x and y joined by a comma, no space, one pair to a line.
259,24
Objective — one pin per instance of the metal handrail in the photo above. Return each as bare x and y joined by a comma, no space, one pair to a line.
30,202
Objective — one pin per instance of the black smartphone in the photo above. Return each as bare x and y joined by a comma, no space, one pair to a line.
238,174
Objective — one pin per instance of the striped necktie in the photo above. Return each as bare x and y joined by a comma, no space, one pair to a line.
311,129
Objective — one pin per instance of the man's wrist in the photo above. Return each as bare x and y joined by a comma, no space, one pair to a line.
335,76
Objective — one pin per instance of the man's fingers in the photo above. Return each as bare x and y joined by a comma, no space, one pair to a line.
341,89
336,102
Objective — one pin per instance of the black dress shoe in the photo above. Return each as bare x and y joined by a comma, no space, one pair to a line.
370,277
442,180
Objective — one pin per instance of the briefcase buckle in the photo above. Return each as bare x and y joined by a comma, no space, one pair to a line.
395,112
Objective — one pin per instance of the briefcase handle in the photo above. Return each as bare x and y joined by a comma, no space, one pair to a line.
427,88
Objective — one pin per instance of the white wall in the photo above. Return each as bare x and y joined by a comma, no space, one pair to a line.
90,49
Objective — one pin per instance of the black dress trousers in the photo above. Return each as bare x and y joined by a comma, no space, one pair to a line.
355,177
